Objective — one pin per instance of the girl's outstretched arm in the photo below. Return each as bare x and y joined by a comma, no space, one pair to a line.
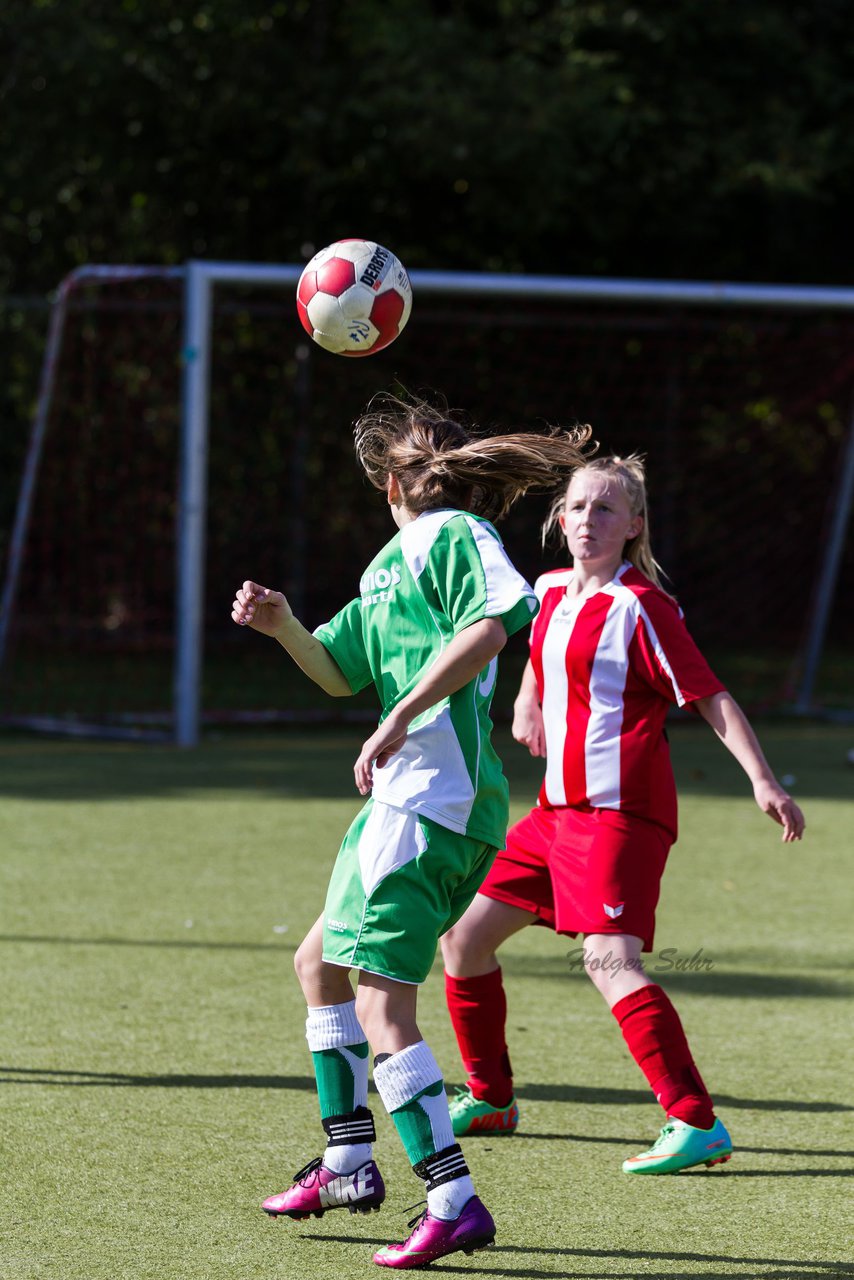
731,725
269,612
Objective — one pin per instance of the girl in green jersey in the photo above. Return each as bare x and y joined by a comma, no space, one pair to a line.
430,615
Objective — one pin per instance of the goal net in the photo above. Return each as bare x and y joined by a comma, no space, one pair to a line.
742,411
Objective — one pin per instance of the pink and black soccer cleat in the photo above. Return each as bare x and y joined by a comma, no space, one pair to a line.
317,1189
435,1238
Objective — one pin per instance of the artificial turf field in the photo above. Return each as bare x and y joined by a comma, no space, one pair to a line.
155,1083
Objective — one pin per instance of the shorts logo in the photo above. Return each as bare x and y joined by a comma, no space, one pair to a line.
335,926
613,912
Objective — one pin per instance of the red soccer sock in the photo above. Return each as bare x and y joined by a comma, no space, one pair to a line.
653,1032
478,1009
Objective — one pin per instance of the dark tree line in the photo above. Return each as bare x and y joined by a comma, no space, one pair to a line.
707,139
681,139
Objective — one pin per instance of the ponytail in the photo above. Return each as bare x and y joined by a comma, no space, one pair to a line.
439,462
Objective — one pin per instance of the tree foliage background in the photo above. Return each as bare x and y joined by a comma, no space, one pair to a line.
681,139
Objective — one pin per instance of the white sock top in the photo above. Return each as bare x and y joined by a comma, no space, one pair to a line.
405,1074
333,1026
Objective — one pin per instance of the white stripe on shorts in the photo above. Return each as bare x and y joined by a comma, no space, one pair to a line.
390,839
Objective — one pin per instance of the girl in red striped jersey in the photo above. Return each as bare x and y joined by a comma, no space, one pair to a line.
610,654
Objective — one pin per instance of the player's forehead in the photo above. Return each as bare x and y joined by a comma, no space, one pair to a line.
588,484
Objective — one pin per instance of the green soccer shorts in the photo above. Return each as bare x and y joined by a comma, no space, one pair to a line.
400,880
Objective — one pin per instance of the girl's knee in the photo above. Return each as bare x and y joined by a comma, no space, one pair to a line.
366,1013
615,969
467,949
308,963
453,945
602,981
301,961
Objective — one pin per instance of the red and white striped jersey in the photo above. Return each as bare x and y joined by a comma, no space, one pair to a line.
608,667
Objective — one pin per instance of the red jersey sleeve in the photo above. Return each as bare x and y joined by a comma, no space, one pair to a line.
666,655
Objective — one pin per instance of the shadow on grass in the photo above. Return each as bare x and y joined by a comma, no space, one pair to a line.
660,968
778,1269
781,1268
317,764
113,1079
747,984
785,1173
795,1151
805,1272
655,1255
300,766
597,1095
183,944
587,1094
521,1135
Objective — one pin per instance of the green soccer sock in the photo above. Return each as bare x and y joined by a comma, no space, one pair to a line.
413,1091
339,1052
342,1079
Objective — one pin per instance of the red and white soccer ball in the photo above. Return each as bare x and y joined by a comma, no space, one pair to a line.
354,297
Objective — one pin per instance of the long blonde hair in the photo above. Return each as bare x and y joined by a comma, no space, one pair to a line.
630,474
438,461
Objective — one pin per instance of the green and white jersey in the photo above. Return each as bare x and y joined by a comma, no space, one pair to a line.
440,574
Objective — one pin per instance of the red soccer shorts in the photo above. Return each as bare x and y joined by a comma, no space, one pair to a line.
583,871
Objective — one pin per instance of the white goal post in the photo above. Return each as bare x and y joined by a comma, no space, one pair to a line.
199,281
201,278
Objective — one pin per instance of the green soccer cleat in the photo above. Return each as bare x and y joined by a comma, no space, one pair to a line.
469,1115
681,1146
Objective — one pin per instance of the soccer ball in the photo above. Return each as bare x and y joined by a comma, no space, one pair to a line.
354,297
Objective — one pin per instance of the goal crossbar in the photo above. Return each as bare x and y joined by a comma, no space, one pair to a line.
199,279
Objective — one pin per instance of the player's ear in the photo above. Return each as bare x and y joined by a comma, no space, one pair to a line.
392,488
635,527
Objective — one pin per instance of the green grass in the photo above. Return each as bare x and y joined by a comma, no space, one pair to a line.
154,1080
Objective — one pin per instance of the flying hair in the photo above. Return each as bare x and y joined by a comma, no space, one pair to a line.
630,474
439,461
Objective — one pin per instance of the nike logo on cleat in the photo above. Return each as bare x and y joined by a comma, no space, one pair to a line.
350,1186
490,1122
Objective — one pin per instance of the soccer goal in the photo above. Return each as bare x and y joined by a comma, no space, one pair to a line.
186,436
